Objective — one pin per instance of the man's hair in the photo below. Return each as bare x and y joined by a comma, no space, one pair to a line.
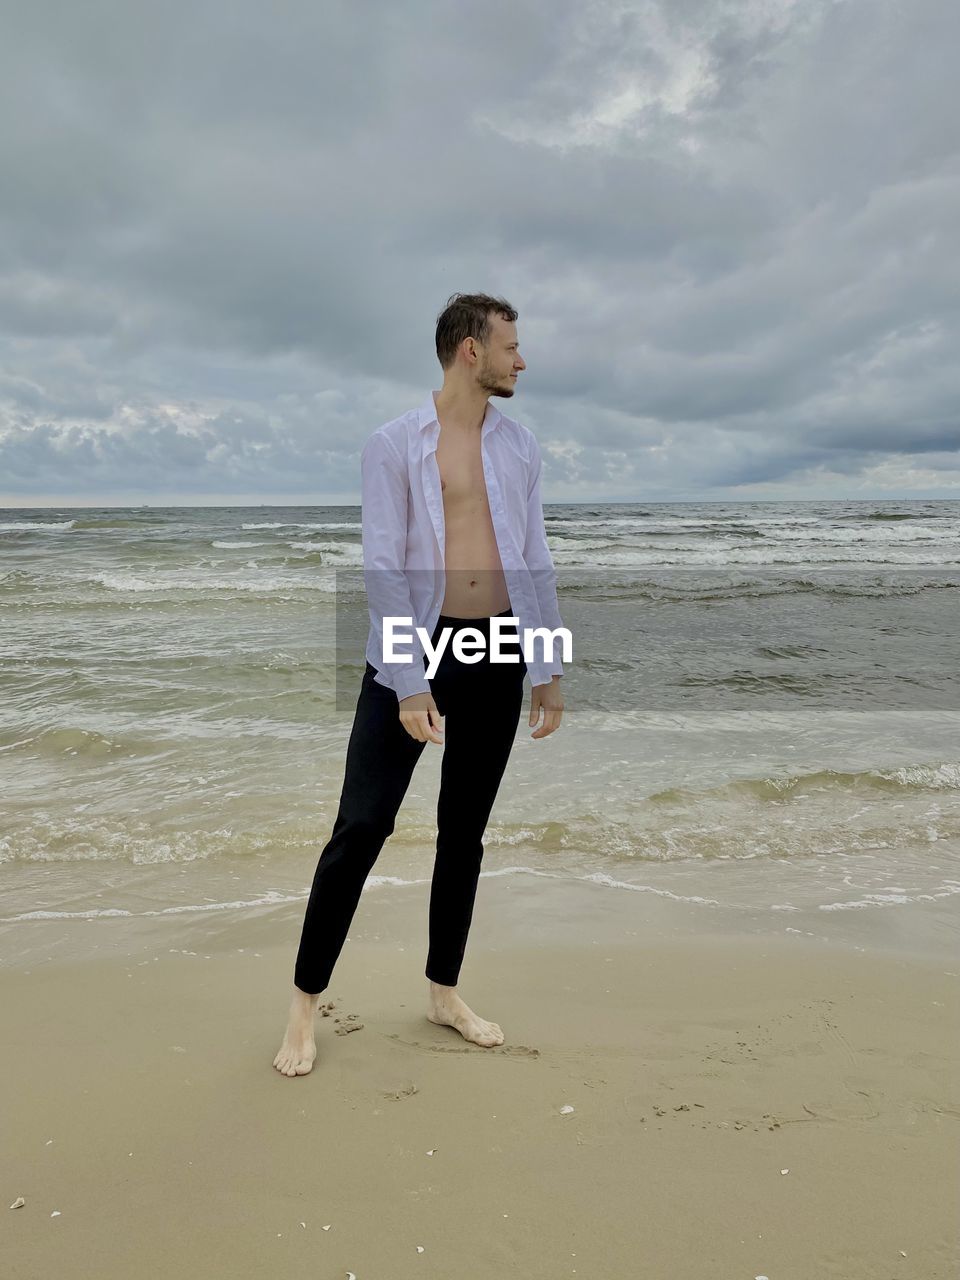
467,315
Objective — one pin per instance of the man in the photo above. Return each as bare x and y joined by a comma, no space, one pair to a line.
451,518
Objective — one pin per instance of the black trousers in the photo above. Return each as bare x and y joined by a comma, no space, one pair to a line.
481,705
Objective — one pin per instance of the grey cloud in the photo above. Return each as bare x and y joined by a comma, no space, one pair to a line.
719,223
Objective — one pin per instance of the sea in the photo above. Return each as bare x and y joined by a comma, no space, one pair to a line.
761,722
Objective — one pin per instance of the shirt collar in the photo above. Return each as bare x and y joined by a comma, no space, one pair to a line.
427,415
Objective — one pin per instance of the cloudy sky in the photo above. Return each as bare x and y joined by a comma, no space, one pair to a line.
729,227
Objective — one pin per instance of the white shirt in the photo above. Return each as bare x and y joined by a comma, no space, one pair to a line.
403,537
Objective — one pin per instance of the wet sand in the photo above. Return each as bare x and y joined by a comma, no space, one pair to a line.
743,1106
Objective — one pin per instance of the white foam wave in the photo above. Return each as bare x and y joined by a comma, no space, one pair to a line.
178,581
305,524
931,776
724,555
273,898
266,900
890,899
10,526
350,553
241,544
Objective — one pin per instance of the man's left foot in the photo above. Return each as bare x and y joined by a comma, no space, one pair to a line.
448,1010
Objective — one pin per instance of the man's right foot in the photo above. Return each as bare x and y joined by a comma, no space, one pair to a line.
299,1049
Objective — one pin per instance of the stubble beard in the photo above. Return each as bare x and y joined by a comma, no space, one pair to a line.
487,382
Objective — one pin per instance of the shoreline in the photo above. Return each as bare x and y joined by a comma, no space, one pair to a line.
515,905
143,1105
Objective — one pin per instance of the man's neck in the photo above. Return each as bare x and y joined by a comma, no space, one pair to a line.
461,409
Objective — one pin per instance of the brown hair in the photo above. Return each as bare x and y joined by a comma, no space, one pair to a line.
467,315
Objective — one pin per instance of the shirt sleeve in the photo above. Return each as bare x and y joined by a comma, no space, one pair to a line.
536,555
384,485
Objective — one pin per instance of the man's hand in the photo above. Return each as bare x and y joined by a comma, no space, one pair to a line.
549,699
421,719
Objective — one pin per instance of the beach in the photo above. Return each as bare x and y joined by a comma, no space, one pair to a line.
716,915
775,1105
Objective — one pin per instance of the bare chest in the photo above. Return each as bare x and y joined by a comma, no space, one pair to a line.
462,481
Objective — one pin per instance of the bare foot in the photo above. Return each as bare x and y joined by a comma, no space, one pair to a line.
299,1048
448,1010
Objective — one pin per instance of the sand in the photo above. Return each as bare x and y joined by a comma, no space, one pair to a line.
742,1105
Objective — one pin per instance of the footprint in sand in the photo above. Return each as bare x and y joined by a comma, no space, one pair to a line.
843,1109
508,1050
395,1095
833,1037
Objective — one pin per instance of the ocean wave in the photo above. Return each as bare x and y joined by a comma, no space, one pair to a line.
602,879
22,579
273,898
111,522
890,899
634,587
339,553
92,838
178,580
304,524
776,556
765,820
940,776
241,544
27,526
58,742
888,515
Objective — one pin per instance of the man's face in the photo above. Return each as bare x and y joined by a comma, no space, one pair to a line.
500,360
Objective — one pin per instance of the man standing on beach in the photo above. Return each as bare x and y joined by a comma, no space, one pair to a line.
454,541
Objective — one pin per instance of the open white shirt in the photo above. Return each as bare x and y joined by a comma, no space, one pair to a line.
403,537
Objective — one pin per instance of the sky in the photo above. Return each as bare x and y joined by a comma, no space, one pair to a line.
729,228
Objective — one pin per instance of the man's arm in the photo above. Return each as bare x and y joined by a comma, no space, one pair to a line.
536,554
384,485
